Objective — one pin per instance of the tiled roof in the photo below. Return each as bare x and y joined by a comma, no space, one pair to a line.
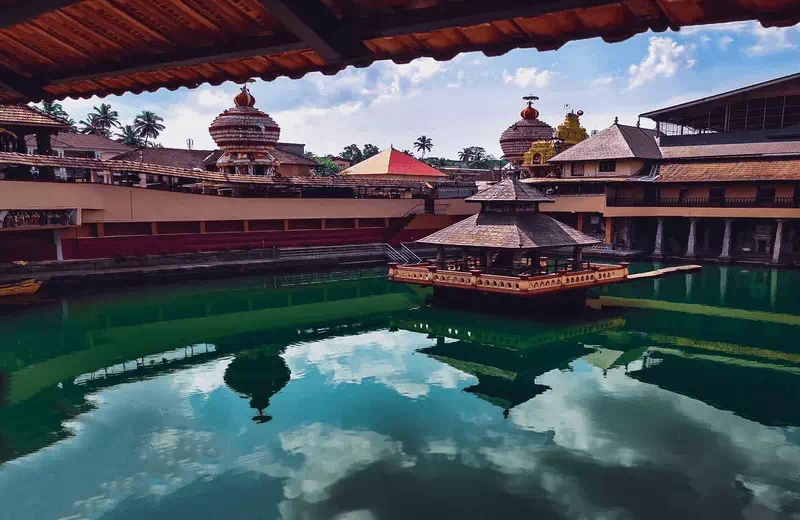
745,170
576,180
184,158
615,142
509,231
23,115
81,141
732,144
184,173
510,190
393,162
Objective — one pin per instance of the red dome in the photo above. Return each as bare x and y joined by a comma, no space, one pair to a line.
244,99
529,113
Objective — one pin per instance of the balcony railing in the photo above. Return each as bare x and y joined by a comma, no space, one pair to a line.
705,202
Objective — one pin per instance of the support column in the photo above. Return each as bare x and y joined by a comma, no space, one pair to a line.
609,230
579,225
46,173
706,239
488,259
726,240
577,258
142,180
723,283
464,259
776,247
629,233
57,240
658,250
440,258
692,238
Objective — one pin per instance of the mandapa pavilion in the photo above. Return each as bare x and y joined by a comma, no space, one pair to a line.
509,233
502,249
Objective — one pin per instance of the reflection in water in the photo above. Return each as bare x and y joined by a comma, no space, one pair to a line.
352,399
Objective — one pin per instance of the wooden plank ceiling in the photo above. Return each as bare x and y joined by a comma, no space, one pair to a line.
52,49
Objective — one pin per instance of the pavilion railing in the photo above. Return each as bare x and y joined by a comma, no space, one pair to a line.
706,202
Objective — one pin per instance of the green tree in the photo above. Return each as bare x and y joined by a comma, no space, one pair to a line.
370,150
54,109
326,167
352,153
148,125
104,117
92,126
423,144
128,135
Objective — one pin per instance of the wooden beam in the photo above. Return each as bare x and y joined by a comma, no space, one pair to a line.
10,80
239,48
470,12
311,21
25,10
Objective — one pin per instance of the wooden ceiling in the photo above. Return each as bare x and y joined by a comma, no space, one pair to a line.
52,49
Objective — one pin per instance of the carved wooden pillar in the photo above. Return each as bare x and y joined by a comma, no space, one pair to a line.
726,240
658,250
692,238
776,248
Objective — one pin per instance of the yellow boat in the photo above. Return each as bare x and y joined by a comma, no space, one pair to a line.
23,288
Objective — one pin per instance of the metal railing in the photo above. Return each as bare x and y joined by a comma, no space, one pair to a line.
706,202
403,256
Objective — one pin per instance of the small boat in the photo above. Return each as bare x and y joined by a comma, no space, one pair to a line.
23,288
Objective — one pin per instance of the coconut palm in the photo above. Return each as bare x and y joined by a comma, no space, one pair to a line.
128,135
104,117
465,155
54,109
92,126
423,144
148,125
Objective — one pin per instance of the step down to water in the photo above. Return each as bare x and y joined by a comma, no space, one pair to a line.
658,273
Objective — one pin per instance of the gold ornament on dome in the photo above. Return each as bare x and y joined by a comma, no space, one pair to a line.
571,131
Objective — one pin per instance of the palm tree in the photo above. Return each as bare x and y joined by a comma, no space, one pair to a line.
104,117
128,135
465,155
148,125
54,109
423,144
92,126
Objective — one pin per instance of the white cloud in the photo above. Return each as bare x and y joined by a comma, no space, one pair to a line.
664,58
704,39
603,81
770,40
724,42
529,77
418,70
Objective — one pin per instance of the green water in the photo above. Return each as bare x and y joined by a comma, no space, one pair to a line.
676,398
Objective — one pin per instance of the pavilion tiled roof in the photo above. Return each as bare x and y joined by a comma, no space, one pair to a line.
393,162
24,115
11,158
615,142
731,170
510,190
530,230
82,141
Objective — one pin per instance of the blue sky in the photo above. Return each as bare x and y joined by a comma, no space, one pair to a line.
470,100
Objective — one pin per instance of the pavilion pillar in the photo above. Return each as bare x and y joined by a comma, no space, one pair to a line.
57,241
516,263
488,259
577,256
43,147
726,240
440,258
658,250
464,259
579,225
776,247
629,233
609,230
692,238
142,180
706,239
536,261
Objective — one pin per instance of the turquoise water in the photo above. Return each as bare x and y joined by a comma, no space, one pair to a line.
262,398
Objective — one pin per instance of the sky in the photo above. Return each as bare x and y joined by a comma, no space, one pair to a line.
471,99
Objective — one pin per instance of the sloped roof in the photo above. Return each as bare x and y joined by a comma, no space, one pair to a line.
615,142
184,158
56,49
509,231
393,162
510,190
732,144
82,141
24,115
742,170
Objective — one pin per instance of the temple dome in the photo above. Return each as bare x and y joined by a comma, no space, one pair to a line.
517,138
246,136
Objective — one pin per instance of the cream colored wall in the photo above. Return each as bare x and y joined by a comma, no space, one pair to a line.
106,203
576,204
625,167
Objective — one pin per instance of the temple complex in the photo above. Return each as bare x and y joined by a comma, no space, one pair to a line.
503,247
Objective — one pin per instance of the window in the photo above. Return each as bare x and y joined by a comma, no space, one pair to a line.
717,196
607,166
577,169
765,195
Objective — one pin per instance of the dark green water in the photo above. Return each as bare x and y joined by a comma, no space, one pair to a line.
671,399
